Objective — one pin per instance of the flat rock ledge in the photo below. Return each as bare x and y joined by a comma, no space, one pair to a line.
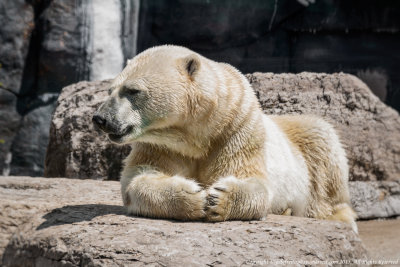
70,222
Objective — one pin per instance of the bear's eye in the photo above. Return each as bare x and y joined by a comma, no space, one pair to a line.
131,91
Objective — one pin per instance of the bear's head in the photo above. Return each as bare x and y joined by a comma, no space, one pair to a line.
158,93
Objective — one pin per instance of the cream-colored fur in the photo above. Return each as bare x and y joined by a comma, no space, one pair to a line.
203,149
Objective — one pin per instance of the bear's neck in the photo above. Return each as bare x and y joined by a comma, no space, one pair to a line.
235,129
245,133
179,140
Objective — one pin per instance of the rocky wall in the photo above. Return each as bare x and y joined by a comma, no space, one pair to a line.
44,46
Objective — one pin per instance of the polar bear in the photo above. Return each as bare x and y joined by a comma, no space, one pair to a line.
203,149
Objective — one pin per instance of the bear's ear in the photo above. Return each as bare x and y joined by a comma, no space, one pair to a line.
192,65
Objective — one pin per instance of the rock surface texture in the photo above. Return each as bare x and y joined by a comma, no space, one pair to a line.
369,129
69,222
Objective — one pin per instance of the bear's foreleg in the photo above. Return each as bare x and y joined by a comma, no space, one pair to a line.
154,194
231,198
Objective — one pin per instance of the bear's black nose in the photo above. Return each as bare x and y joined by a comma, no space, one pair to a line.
99,121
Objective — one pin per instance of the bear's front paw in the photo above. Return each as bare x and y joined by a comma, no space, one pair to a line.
194,206
193,199
220,197
161,196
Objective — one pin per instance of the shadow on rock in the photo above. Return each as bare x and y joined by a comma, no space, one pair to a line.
77,213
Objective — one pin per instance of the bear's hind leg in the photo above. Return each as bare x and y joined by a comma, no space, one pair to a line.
344,213
231,198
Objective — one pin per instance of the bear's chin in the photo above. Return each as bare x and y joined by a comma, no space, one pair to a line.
123,139
127,136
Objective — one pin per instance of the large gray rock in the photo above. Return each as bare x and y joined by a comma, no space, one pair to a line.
64,222
369,129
